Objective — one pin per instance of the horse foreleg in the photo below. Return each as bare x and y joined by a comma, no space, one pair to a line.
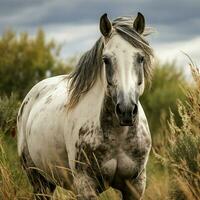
85,187
134,189
42,188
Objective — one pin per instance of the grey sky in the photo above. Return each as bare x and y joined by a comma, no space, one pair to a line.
75,22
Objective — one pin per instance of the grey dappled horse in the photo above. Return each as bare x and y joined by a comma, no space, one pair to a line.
87,130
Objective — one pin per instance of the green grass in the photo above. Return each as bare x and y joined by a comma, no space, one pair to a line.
13,181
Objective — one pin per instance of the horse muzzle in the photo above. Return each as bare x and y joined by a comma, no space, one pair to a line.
126,114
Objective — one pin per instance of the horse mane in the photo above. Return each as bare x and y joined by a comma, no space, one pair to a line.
90,64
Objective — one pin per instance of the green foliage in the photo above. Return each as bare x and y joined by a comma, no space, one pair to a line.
64,67
162,96
8,113
24,61
184,146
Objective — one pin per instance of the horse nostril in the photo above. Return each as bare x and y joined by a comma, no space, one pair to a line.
118,109
135,110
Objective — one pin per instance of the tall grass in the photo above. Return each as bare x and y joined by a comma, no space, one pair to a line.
8,113
183,152
14,184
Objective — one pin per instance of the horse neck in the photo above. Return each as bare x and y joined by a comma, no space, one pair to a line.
89,106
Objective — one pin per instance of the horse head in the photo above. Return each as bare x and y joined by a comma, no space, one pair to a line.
125,56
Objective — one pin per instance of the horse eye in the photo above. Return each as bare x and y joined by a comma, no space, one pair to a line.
140,59
106,60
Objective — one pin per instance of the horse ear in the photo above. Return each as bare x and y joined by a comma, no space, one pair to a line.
105,25
139,23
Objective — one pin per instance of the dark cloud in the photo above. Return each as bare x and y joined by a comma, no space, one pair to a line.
173,19
10,7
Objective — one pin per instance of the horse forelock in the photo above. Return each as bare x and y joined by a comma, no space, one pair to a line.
124,27
89,67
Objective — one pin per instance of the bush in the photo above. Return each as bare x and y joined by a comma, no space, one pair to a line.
8,114
24,61
183,152
161,97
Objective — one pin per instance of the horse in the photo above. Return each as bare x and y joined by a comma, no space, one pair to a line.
86,130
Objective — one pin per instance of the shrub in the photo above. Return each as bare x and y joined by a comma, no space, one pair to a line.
183,152
26,60
8,114
162,96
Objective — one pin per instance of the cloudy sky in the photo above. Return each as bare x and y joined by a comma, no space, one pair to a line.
74,23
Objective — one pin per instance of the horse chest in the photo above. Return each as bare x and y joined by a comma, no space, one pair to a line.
122,151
